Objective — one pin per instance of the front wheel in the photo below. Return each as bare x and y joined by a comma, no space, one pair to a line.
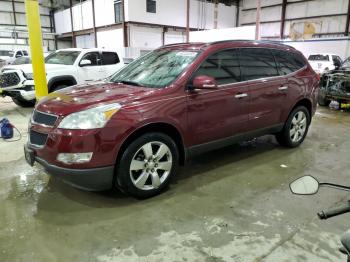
147,165
296,128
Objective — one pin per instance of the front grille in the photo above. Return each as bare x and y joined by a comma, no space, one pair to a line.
44,118
9,79
37,139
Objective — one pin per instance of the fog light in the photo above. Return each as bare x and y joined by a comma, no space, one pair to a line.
74,158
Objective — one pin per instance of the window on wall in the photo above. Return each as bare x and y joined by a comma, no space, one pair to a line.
118,11
151,6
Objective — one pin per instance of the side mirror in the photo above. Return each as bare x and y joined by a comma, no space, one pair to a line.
306,185
85,62
204,82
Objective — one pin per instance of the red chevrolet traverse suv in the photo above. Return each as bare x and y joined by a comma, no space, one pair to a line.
133,129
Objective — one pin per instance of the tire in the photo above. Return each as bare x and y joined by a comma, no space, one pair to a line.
322,100
23,103
299,120
147,178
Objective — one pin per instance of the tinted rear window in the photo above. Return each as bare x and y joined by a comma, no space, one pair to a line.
318,58
288,62
110,58
257,63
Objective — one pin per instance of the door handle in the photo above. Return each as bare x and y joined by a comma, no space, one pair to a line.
283,88
239,96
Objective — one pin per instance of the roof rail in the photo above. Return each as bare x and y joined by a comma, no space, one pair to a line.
253,41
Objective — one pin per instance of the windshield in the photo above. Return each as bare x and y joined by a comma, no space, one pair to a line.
346,63
6,53
62,57
21,61
318,58
156,69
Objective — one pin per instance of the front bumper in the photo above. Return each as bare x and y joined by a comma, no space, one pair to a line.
91,179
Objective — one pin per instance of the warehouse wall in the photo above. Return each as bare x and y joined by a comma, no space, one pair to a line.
173,13
323,46
10,20
322,17
149,32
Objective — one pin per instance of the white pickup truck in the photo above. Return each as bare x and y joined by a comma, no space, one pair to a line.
64,68
323,63
7,57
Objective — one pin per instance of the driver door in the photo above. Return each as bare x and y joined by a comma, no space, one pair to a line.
214,115
92,71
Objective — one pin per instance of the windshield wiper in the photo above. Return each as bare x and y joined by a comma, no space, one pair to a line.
132,83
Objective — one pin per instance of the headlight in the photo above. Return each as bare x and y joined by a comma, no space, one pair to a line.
29,76
91,118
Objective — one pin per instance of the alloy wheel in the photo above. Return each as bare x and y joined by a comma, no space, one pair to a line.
298,127
151,165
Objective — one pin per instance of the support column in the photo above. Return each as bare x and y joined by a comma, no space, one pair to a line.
257,26
94,21
188,21
283,18
237,13
71,23
347,21
36,47
125,26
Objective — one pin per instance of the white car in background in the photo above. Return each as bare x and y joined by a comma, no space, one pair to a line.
64,68
7,56
323,63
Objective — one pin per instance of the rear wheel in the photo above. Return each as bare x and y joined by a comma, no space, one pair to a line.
296,128
22,102
147,165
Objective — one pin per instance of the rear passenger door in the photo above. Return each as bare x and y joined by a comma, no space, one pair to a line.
111,62
267,89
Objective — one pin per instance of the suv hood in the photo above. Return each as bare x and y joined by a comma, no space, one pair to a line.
28,69
77,98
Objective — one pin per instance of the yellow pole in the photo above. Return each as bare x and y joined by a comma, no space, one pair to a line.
36,48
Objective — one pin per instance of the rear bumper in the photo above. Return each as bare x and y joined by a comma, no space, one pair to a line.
92,179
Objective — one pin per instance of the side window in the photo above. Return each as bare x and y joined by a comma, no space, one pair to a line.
110,58
257,63
287,62
19,54
25,52
93,57
223,66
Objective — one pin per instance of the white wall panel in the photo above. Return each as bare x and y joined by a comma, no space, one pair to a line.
62,21
174,13
104,12
316,8
110,39
252,3
323,46
173,37
145,37
82,16
85,41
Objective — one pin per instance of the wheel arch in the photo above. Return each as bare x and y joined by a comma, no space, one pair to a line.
65,79
160,127
306,103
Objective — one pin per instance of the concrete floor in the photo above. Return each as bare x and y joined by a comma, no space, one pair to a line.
229,205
